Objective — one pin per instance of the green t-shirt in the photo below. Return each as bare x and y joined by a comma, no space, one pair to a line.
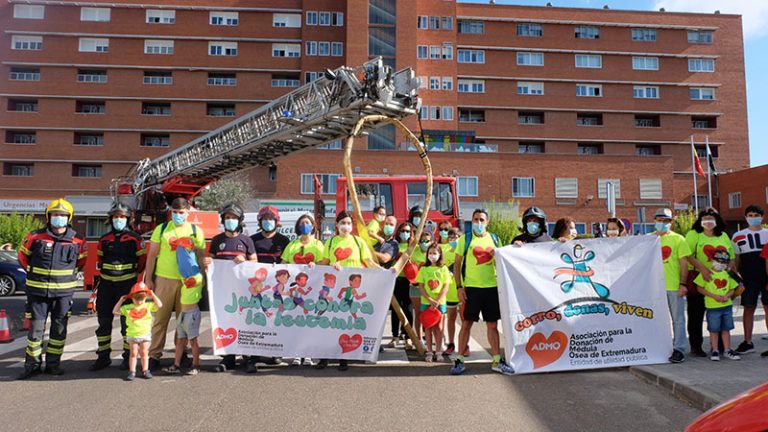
434,279
346,251
166,265
299,253
720,284
673,248
418,256
373,226
192,294
449,257
703,246
480,266
138,318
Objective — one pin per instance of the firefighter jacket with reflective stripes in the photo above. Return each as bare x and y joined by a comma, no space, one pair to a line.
121,256
52,262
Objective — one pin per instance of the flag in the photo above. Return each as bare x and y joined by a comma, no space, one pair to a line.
711,161
697,164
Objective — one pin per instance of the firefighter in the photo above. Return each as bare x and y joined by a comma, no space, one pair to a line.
52,256
121,258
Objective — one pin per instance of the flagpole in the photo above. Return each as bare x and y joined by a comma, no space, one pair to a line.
709,170
693,170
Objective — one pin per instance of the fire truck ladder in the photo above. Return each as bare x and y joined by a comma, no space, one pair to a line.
317,113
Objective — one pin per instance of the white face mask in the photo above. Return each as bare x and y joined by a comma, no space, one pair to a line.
718,266
613,233
708,224
345,228
574,233
433,257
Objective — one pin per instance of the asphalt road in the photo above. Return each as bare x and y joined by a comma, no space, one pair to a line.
397,395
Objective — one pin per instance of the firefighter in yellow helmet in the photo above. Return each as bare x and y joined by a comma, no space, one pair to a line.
52,256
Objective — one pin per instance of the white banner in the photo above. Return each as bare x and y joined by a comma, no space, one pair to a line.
584,304
294,311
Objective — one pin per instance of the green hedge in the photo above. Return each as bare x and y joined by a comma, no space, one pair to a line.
14,228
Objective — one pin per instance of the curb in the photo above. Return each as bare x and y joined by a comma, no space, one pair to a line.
698,398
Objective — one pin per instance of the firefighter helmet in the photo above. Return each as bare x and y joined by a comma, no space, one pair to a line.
119,208
235,210
59,205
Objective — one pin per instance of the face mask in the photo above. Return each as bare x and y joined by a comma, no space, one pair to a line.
613,233
119,223
231,224
424,246
574,233
305,229
533,227
708,224
718,266
444,234
59,221
433,257
453,244
755,221
416,221
388,230
478,228
405,236
662,227
345,228
268,225
380,218
179,219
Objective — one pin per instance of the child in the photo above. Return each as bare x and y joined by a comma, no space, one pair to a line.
138,319
719,292
434,280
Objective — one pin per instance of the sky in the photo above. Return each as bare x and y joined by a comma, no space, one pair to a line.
755,20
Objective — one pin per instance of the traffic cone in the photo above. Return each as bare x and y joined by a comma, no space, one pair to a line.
26,322
91,307
5,331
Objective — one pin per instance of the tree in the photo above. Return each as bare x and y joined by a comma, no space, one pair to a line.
684,221
504,220
225,191
14,228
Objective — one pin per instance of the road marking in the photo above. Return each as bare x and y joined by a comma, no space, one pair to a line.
478,353
21,341
83,346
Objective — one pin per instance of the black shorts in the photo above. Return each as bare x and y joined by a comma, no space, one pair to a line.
485,300
752,289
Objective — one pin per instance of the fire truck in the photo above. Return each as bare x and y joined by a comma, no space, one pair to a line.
317,113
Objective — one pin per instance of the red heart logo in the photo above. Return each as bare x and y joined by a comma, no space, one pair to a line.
710,250
223,337
666,251
304,259
342,253
482,255
350,343
433,284
721,283
543,350
138,313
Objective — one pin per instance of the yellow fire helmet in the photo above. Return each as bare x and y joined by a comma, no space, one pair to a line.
60,205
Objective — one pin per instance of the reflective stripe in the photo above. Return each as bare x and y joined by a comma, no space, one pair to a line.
51,285
103,338
103,348
52,350
56,342
141,252
107,266
24,250
34,353
99,253
118,278
82,255
32,343
46,272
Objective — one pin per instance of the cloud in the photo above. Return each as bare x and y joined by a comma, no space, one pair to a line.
754,12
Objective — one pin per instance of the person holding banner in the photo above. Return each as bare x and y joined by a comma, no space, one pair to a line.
345,250
306,249
706,236
475,274
434,279
615,228
402,287
534,227
452,298
234,246
565,229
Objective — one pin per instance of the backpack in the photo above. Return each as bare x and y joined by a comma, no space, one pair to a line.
189,268
467,242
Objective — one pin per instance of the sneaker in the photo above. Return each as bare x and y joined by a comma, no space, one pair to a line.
221,367
502,367
343,365
250,367
715,356
437,358
124,365
172,370
147,374
296,361
764,354
29,373
308,362
392,343
185,361
322,364
100,364
698,353
458,368
193,371
273,361
732,355
745,348
466,352
131,376
449,349
429,356
677,357
54,370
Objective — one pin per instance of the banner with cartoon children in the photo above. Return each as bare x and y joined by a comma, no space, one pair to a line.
584,304
296,311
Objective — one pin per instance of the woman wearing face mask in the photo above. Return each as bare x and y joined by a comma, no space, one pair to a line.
534,227
306,249
376,225
234,246
418,258
705,237
452,299
345,250
565,229
403,234
615,228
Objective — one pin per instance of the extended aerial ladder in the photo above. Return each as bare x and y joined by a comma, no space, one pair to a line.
317,113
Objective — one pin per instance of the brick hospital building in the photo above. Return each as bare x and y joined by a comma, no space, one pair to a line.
542,105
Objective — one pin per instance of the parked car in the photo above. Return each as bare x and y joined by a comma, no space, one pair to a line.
745,412
12,277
